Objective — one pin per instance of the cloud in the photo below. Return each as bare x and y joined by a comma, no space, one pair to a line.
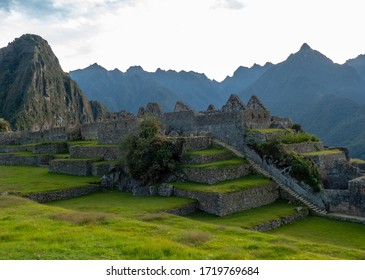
230,4
61,9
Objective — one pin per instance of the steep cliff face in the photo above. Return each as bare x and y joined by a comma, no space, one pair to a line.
35,93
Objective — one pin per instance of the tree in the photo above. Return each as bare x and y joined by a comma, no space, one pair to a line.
147,154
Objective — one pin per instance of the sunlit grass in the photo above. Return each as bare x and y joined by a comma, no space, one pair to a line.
31,179
249,218
323,152
218,164
225,186
34,231
122,203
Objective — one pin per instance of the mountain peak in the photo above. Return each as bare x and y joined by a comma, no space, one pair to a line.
135,70
305,46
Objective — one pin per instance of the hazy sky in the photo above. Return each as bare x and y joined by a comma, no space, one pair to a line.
208,36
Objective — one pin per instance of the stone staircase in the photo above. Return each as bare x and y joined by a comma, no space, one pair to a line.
313,208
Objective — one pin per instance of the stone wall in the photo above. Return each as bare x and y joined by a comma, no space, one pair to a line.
270,225
201,159
350,201
71,167
101,169
113,132
51,148
183,210
36,160
89,131
300,148
357,196
215,175
62,194
100,152
222,204
301,189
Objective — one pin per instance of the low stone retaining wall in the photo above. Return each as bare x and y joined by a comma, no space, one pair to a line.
36,160
184,210
300,148
16,148
62,194
222,204
71,167
201,159
215,175
194,143
51,148
99,152
101,169
270,225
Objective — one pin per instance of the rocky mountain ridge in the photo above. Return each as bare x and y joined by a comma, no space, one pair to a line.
35,93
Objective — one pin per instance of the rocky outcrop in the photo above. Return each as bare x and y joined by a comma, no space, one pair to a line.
35,93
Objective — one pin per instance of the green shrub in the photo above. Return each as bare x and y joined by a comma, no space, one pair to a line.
298,138
304,170
301,168
297,127
148,155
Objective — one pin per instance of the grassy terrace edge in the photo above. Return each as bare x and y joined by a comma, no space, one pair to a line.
217,164
235,185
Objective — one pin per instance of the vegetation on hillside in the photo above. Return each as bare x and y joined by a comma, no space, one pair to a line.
148,155
301,168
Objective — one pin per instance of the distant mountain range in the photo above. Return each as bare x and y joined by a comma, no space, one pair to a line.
326,98
35,93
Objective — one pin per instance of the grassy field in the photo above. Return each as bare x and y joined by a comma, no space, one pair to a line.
325,231
30,179
249,218
324,152
122,203
57,231
209,152
217,164
225,186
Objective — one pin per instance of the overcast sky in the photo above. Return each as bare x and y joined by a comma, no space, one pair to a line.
214,37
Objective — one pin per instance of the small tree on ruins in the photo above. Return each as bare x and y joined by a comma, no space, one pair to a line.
147,154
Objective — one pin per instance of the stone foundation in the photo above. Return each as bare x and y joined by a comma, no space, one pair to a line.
215,175
36,160
99,152
222,204
71,167
62,194
51,148
270,225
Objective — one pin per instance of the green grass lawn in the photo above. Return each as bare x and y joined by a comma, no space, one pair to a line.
249,218
266,130
325,231
122,203
225,186
209,151
357,160
217,164
34,231
31,179
323,152
91,143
